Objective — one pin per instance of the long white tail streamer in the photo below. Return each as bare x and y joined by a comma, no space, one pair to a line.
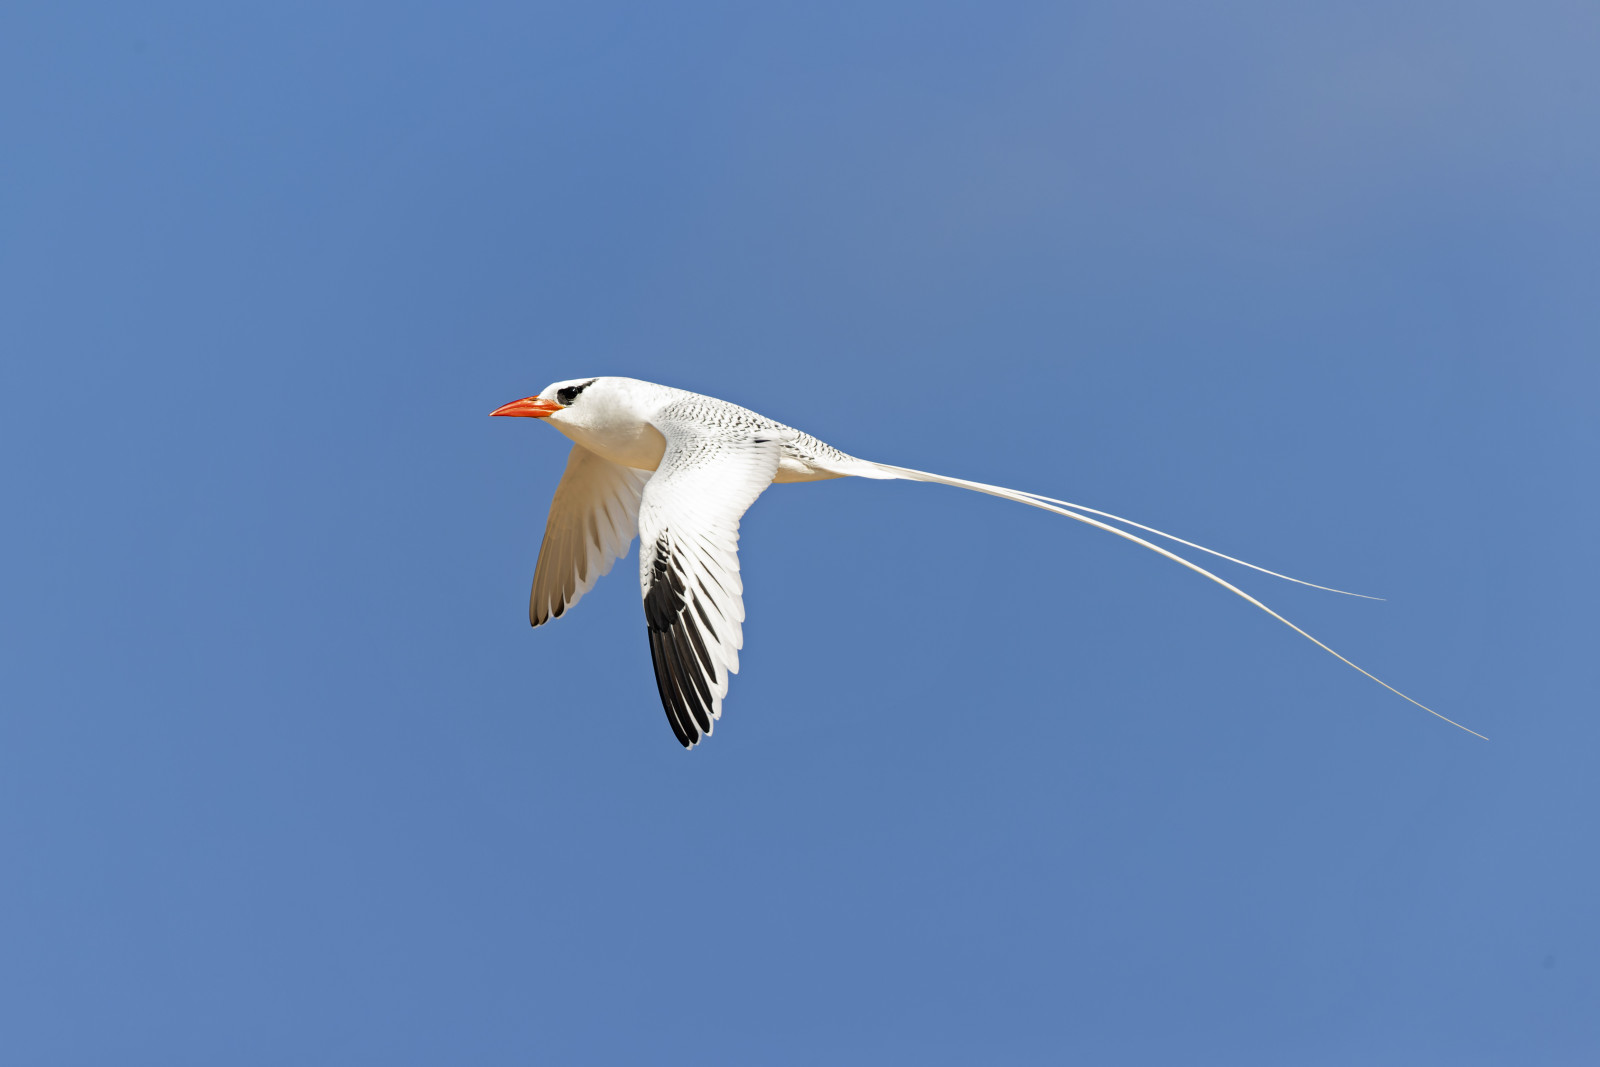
1056,507
1191,544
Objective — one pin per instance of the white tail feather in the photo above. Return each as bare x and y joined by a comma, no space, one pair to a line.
1191,544
1057,507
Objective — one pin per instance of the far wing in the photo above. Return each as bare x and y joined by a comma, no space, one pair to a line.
592,521
689,560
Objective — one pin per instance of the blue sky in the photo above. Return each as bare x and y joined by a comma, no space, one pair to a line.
286,777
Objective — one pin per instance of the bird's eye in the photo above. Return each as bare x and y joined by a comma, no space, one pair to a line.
567,394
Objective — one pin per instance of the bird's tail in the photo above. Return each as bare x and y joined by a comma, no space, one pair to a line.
1082,514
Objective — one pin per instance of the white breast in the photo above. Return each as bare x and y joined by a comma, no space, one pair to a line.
630,442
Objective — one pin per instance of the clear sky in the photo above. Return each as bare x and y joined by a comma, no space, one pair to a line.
285,777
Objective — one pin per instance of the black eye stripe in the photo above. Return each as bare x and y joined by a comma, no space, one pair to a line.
568,394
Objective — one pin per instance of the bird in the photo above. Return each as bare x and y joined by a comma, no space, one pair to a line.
678,470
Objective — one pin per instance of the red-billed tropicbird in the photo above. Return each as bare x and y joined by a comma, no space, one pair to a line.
679,469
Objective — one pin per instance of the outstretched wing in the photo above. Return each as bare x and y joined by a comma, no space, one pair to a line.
592,521
689,559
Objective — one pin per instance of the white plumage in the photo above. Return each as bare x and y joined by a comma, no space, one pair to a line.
679,469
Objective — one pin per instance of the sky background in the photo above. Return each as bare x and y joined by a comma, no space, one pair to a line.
285,777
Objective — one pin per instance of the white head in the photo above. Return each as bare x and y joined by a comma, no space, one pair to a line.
560,402
606,415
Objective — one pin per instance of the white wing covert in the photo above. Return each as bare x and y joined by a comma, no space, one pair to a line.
711,472
593,518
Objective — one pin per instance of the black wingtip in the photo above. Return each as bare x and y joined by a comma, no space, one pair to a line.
684,668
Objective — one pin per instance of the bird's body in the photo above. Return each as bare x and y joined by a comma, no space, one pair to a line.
621,429
678,470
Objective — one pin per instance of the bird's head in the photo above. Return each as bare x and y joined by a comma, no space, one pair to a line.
560,402
609,416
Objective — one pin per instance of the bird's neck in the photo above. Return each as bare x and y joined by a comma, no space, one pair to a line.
629,442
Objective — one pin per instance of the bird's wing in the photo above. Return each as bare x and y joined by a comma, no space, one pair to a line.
689,559
592,521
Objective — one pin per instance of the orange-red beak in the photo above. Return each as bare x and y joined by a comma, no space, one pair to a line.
529,407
